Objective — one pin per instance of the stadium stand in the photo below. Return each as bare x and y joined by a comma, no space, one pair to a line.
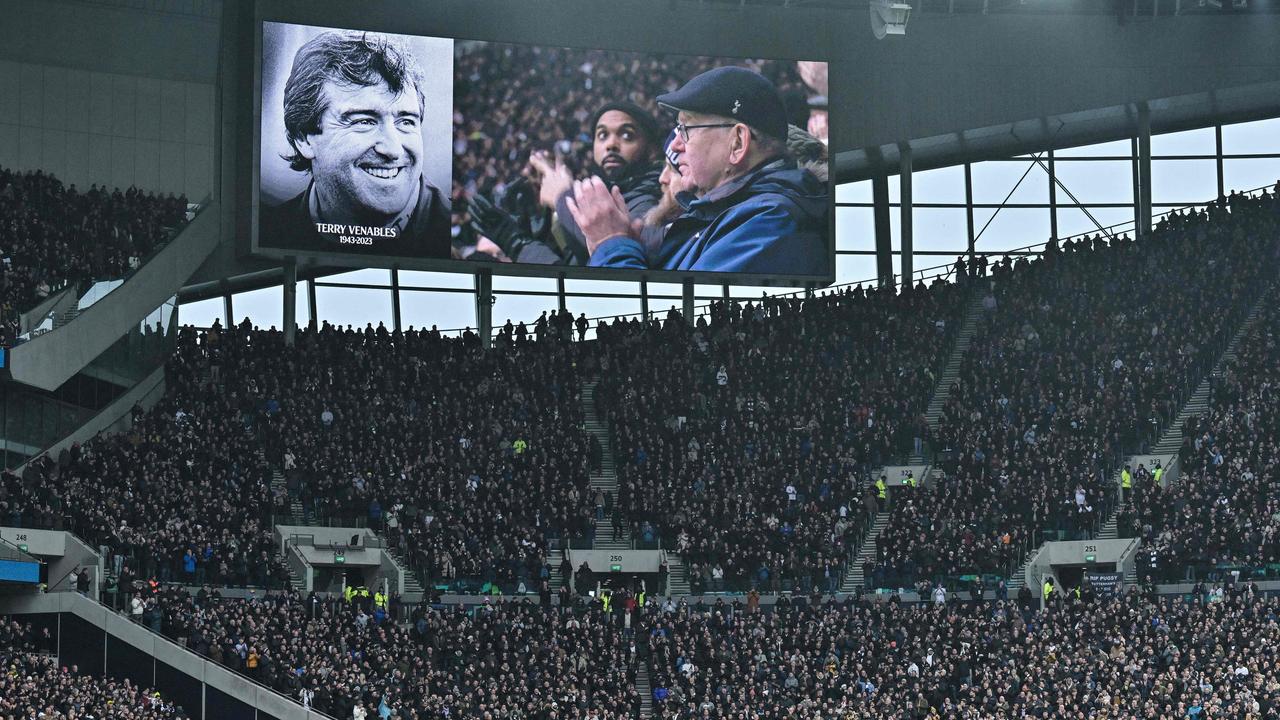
240,402
508,659
738,451
748,443
1081,351
1122,657
460,442
1219,517
56,235
32,685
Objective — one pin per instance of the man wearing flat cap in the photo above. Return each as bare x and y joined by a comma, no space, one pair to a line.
751,210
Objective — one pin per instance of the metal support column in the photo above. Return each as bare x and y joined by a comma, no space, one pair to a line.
1137,184
687,295
1217,138
290,310
313,316
1144,168
484,308
884,237
644,299
395,299
228,311
904,223
560,303
1053,198
968,206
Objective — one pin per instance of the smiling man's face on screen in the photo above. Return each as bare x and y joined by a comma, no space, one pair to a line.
366,158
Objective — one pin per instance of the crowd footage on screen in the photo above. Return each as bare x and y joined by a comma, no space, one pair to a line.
552,164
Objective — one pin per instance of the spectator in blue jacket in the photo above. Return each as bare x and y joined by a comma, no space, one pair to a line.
753,210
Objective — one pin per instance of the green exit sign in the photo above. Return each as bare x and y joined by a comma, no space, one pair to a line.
615,568
339,559
22,547
1090,558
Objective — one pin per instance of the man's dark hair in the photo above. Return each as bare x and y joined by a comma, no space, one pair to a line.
360,59
641,118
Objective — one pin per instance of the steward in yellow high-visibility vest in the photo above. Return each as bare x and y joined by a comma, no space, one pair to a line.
348,593
882,490
1048,589
380,600
1158,473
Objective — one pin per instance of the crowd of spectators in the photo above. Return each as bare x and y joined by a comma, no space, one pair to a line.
511,100
746,443
33,685
52,235
1083,357
437,443
184,495
1131,656
1222,513
513,659
432,441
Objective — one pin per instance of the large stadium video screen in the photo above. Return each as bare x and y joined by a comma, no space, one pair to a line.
459,154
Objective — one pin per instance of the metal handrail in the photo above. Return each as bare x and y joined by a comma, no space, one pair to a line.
228,668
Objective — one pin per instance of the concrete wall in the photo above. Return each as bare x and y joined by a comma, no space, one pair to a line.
116,96
116,416
322,536
260,699
57,302
48,543
896,475
390,570
54,357
632,561
92,127
323,557
1072,552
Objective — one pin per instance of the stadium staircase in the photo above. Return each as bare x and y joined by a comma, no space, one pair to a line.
1020,575
413,587
854,578
677,576
280,488
1170,441
644,689
606,478
951,371
66,317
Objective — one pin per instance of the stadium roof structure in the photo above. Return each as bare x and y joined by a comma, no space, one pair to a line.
970,80
1153,8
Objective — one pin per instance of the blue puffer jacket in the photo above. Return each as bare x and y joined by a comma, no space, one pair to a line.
772,220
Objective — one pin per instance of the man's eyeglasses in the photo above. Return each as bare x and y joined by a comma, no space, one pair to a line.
683,130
